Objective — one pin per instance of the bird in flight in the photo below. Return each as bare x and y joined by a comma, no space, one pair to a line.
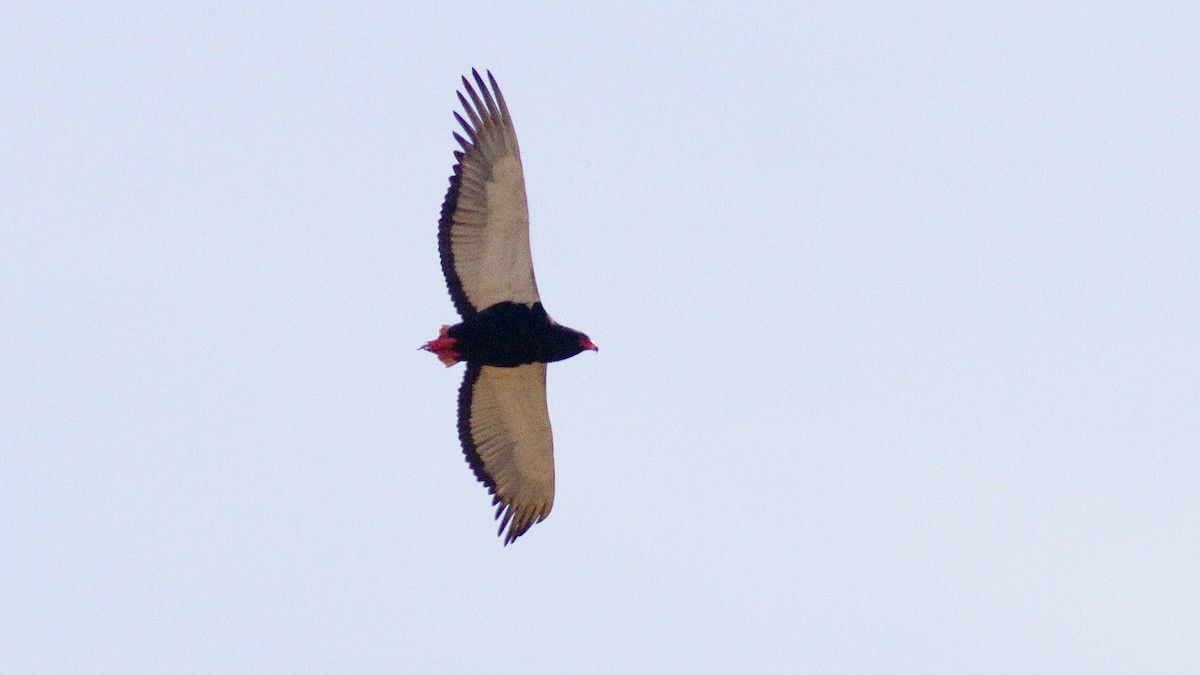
505,337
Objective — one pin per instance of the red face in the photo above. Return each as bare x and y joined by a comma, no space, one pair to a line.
586,343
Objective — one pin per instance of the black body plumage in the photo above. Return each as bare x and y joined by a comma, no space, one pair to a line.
510,334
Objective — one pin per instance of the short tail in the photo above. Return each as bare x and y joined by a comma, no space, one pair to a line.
444,347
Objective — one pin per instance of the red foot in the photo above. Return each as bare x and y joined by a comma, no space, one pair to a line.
443,347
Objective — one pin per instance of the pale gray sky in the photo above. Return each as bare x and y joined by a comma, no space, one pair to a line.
898,310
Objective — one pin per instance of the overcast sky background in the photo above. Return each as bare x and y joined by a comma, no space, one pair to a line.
898,311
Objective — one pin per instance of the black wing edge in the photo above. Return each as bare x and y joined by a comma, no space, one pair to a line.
465,394
481,113
453,284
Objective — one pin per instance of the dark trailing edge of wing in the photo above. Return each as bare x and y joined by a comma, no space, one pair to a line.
465,394
481,113
445,224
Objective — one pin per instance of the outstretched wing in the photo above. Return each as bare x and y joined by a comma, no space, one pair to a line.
483,235
504,426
